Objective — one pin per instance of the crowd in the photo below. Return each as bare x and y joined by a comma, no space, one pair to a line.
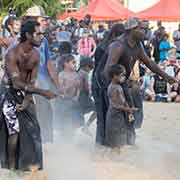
76,71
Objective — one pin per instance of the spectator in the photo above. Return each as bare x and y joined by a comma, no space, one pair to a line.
86,45
156,40
64,35
160,87
176,38
175,90
164,47
147,86
100,33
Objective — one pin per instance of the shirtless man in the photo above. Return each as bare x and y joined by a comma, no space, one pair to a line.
20,129
126,51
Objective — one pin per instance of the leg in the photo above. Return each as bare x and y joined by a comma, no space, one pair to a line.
12,150
101,108
177,98
91,119
138,102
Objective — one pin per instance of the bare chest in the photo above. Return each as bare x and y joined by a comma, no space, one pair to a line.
26,64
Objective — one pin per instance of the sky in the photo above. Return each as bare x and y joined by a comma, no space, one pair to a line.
138,5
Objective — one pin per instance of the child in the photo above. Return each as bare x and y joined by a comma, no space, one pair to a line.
69,94
119,128
86,103
164,47
146,86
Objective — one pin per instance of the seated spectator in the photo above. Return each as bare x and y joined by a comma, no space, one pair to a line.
164,46
175,89
160,88
147,86
170,67
173,55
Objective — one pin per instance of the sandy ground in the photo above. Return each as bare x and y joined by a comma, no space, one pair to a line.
154,157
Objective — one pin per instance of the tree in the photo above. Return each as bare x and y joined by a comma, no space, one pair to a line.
52,7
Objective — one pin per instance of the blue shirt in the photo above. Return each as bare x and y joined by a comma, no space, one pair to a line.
44,57
43,77
163,53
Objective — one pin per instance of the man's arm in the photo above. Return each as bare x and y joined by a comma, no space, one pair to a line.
114,53
154,67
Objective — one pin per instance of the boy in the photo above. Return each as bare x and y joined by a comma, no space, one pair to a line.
69,88
86,103
119,128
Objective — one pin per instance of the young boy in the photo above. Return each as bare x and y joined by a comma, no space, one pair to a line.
164,47
119,128
86,103
69,95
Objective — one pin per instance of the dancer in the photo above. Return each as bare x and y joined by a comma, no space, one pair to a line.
20,137
119,127
86,103
126,50
69,90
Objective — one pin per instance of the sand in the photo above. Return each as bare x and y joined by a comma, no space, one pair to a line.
154,157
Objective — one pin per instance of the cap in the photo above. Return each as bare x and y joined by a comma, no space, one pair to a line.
131,23
36,11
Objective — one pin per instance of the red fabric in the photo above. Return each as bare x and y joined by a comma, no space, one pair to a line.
101,10
164,10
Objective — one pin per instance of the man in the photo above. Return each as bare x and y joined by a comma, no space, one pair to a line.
46,77
98,83
156,41
127,50
176,38
20,137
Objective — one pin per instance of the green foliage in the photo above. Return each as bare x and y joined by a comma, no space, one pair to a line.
52,7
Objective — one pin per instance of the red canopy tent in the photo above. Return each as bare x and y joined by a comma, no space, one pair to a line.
101,10
164,10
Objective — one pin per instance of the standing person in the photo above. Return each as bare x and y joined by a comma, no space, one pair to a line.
126,51
64,35
119,127
156,40
86,103
164,47
176,38
100,33
98,87
69,89
20,136
86,45
46,78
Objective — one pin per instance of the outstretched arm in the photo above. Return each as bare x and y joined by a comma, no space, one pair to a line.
154,67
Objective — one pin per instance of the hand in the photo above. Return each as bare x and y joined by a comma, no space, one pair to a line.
132,110
49,95
172,80
20,107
